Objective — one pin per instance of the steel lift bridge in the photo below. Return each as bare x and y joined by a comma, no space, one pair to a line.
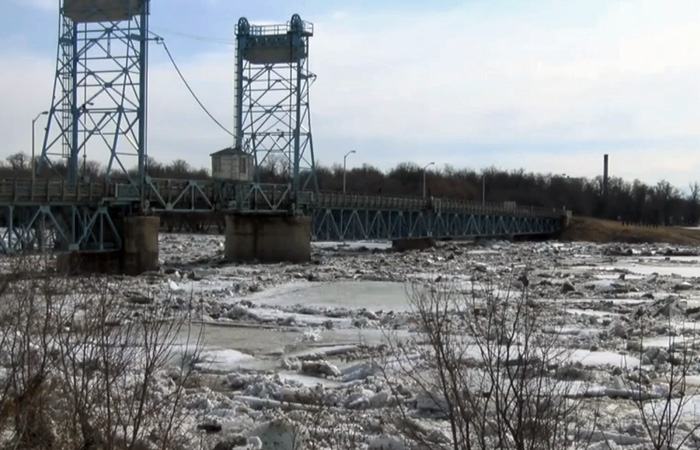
99,110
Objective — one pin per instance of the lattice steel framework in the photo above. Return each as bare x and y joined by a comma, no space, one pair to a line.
98,108
350,224
272,113
56,215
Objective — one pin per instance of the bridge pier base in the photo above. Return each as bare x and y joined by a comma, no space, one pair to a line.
140,244
139,252
403,245
267,239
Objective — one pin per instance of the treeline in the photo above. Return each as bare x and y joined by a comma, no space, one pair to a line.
634,201
20,165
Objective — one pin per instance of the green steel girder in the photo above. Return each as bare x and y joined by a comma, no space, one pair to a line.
336,224
60,216
57,228
188,196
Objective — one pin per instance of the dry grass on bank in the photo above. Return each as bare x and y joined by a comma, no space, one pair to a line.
596,230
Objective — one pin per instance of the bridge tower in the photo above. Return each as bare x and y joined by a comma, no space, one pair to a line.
272,113
98,109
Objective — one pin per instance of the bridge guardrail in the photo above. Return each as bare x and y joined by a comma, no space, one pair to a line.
364,201
46,191
203,195
124,191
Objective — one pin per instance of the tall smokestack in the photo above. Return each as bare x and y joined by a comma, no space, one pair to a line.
605,177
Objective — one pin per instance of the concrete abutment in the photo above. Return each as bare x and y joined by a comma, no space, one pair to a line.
268,238
138,254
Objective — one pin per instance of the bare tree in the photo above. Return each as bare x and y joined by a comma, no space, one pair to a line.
484,363
178,168
664,194
661,409
19,161
93,170
316,425
81,369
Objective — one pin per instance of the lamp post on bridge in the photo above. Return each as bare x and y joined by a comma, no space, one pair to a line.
345,160
33,164
424,174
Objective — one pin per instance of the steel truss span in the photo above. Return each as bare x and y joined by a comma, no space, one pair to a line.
340,224
62,216
370,217
49,215
52,227
272,118
98,108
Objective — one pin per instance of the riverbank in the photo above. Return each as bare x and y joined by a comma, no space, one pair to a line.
586,229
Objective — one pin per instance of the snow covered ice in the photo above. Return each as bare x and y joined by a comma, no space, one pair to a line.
283,342
320,328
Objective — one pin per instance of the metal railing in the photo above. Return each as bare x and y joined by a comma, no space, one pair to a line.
208,194
19,190
365,201
276,29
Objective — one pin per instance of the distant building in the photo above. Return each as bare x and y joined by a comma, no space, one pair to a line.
232,164
578,180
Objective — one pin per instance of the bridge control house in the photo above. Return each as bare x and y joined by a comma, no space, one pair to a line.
232,164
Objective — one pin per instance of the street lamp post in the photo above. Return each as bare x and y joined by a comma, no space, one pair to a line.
33,164
424,174
345,160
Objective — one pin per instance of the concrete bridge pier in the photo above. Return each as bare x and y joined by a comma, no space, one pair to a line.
140,244
138,254
268,238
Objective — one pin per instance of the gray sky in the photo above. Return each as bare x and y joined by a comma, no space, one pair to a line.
546,85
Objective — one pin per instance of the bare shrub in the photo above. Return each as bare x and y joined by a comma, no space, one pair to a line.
315,425
662,402
82,369
485,364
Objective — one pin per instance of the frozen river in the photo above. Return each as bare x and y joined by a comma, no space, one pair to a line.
371,295
264,324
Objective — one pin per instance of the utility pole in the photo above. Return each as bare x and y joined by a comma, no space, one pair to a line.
345,160
605,176
424,174
605,186
33,164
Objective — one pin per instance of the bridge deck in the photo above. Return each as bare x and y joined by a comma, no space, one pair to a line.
206,195
43,192
362,201
81,216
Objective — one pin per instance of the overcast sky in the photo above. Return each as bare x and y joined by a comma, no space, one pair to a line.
546,85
